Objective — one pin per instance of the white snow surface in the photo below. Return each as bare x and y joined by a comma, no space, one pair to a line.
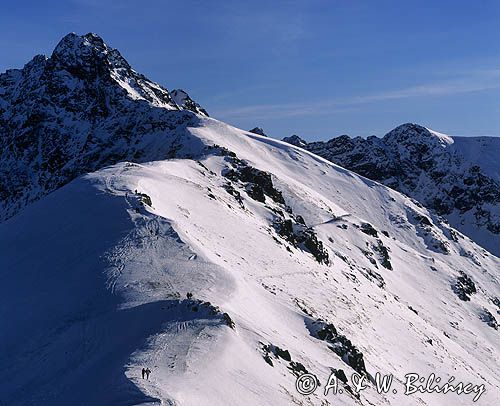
94,285
446,139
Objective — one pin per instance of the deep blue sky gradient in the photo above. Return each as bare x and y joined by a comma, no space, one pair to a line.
314,68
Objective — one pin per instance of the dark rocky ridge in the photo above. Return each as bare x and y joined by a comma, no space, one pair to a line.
76,111
258,131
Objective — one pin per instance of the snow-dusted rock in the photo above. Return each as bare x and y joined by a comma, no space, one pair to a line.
258,131
182,99
79,110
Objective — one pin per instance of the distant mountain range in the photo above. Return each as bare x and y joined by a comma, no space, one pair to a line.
456,177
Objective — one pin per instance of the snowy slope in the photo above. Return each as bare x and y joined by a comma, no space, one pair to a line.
95,278
456,177
140,233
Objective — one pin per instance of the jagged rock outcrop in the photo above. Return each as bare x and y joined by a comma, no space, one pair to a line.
296,140
183,100
258,130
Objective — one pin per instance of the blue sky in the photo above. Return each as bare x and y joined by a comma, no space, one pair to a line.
313,68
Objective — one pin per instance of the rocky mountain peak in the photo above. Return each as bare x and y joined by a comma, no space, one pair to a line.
410,133
295,140
87,54
258,131
182,99
82,108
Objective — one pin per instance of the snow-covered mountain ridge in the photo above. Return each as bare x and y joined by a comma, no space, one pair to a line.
457,177
229,264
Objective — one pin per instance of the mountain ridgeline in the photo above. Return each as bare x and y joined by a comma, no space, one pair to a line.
455,177
76,111
138,233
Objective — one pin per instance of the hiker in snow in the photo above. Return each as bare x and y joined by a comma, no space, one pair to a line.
143,372
148,371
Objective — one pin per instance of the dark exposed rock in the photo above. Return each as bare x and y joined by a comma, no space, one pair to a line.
258,130
144,198
300,220
295,140
427,231
268,359
227,319
423,220
340,374
496,302
486,316
278,353
256,192
384,254
464,287
367,228
208,308
258,183
297,368
216,149
233,192
374,276
412,309
339,344
303,237
369,255
282,353
182,99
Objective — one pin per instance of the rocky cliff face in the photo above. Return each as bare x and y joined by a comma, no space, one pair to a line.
433,168
78,110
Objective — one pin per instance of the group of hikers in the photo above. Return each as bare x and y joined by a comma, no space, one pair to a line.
145,373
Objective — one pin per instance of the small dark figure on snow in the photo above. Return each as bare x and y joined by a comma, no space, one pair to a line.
148,371
143,372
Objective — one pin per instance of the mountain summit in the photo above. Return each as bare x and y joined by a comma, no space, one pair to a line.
144,235
82,108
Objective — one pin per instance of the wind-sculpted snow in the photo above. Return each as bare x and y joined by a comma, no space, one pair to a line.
457,177
229,264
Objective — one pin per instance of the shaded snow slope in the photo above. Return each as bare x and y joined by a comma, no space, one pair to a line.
481,151
264,235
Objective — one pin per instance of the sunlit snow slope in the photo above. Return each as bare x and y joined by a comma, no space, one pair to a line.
456,177
95,277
